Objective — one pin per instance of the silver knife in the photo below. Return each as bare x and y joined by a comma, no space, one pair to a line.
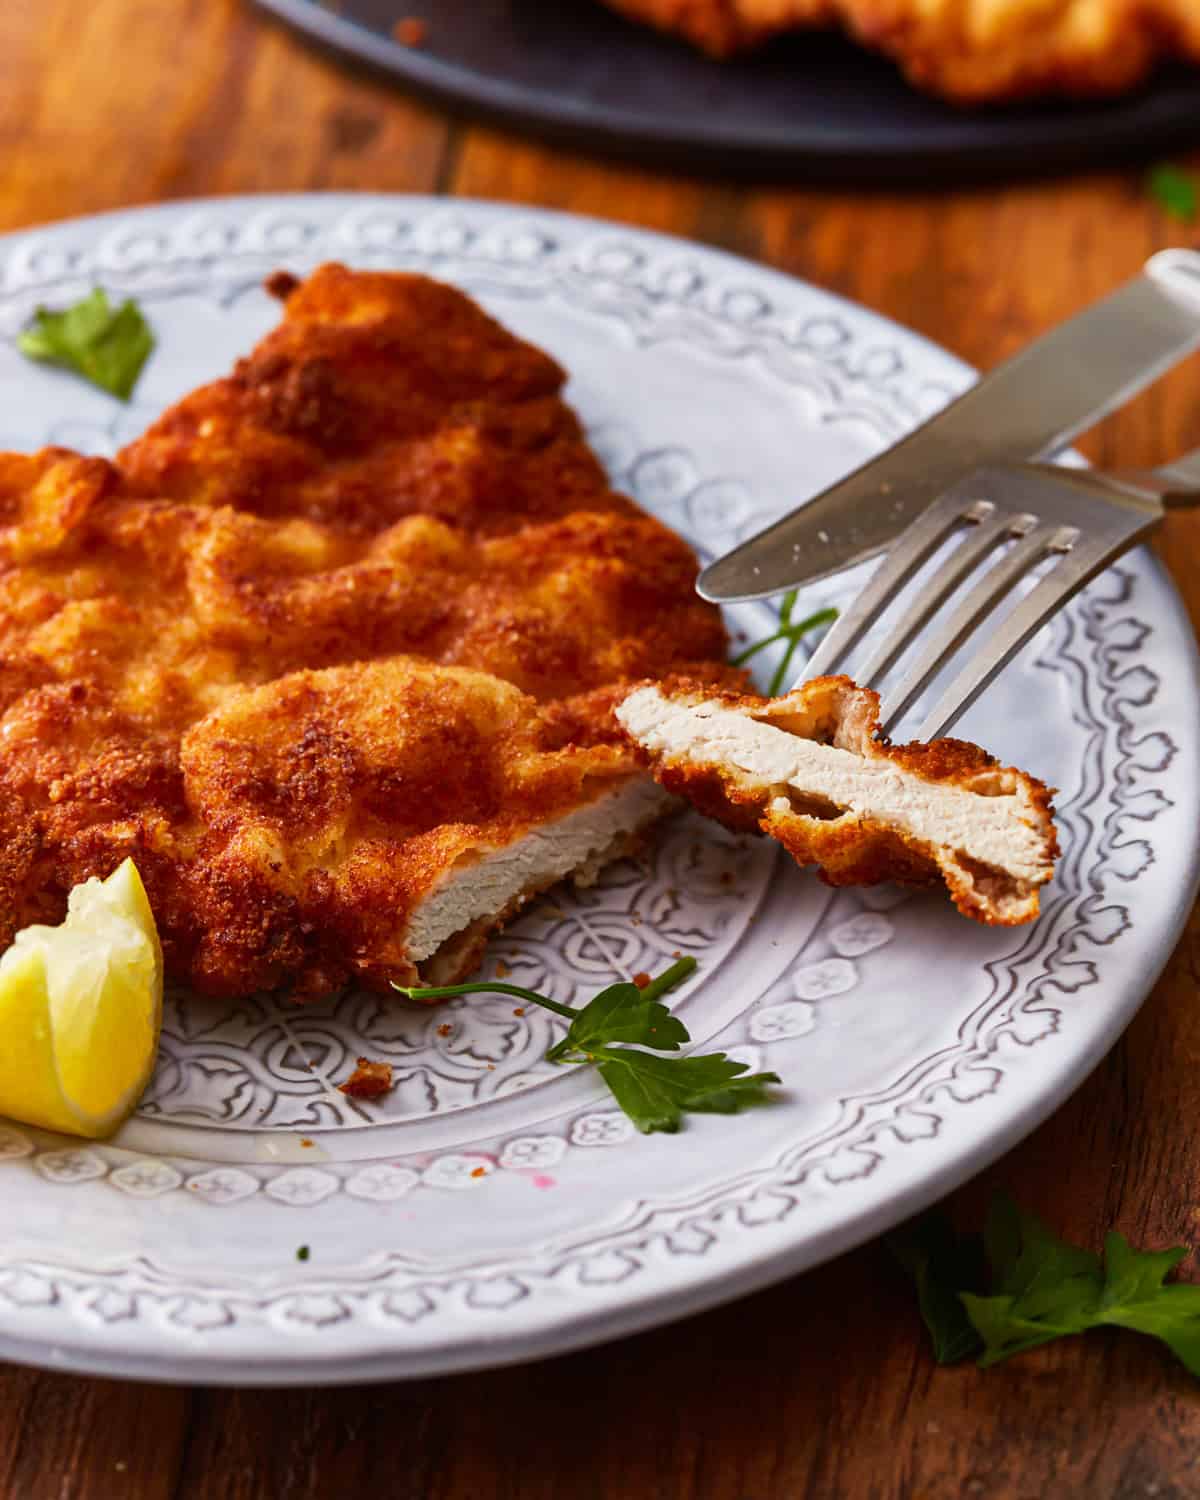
1027,408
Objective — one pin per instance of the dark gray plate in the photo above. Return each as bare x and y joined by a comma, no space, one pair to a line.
570,70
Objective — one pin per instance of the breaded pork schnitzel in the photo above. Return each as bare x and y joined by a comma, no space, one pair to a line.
971,51
809,770
332,650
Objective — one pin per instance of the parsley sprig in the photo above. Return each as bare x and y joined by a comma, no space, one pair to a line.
609,1033
1175,191
106,345
790,631
1041,1288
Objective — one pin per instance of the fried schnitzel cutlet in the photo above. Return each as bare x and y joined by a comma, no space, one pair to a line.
341,654
969,51
810,770
332,650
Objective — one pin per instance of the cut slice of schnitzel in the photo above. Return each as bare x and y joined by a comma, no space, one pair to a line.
332,650
970,51
810,770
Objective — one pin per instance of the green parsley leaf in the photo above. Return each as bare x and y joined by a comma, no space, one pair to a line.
302,1253
1175,191
1046,1289
107,346
942,1264
655,1092
622,1013
1135,1297
791,633
1043,1288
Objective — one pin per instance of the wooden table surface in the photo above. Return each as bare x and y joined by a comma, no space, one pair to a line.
823,1386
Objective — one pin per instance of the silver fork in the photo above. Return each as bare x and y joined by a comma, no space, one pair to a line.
1005,523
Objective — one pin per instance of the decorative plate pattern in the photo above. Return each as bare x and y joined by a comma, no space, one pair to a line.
492,1207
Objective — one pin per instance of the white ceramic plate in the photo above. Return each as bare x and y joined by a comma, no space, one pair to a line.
493,1208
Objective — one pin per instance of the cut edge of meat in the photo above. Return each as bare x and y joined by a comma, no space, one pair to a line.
811,771
486,889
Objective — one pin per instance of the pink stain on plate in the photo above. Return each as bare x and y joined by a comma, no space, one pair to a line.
539,1180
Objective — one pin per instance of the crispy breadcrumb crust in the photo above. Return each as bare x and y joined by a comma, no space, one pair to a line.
217,652
846,848
968,51
333,802
724,27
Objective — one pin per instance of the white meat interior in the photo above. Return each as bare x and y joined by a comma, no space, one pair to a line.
1000,829
489,883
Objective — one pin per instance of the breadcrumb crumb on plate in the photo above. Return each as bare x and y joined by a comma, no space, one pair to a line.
370,1080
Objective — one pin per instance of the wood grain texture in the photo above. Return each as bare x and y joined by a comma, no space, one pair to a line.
821,1387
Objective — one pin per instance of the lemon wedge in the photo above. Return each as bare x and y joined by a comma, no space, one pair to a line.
81,1009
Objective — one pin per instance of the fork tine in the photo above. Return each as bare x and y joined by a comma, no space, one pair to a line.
958,567
915,546
994,586
1088,557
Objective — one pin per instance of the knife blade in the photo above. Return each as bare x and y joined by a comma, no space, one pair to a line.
1028,408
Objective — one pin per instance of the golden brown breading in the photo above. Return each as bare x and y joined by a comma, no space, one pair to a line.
969,51
723,27
332,802
976,51
389,476
811,770
379,396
